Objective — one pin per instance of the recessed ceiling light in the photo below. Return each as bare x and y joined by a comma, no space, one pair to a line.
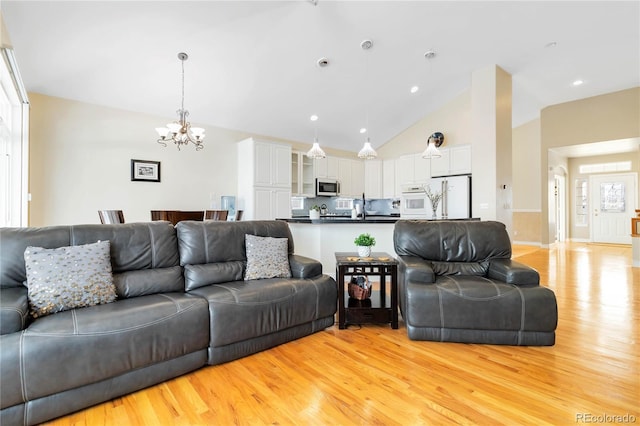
322,62
313,118
366,44
414,89
577,82
363,130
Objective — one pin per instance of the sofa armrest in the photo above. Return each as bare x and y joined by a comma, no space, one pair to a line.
304,267
14,309
513,272
416,269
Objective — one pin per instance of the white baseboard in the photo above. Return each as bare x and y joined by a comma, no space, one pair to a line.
526,243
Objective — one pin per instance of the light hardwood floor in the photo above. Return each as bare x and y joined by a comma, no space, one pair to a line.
375,375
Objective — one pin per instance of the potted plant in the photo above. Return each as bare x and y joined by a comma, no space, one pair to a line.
314,212
364,243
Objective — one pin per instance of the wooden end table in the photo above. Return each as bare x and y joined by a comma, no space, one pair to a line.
375,309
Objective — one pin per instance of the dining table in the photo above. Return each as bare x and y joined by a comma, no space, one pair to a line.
175,216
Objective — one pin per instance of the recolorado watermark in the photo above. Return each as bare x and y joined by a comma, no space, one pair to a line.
605,418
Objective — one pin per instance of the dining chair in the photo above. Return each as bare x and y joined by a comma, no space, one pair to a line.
111,216
238,215
216,214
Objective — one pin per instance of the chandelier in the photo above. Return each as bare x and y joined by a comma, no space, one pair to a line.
180,132
367,152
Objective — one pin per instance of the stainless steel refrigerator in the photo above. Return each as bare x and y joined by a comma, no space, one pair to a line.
456,196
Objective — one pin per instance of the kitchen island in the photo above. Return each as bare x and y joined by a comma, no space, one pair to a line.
321,238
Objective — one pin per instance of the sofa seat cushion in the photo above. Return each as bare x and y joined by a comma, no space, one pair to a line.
241,310
83,346
478,303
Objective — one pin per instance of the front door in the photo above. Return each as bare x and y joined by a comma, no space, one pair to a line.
613,204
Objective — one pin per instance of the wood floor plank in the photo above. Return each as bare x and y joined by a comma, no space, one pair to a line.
374,375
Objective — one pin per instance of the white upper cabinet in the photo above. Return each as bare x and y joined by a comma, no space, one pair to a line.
373,178
326,167
344,176
272,164
351,177
302,175
421,169
357,178
454,161
264,179
413,169
460,159
389,179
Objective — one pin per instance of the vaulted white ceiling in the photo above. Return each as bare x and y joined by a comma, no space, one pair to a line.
253,64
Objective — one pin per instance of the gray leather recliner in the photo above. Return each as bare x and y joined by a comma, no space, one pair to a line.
457,283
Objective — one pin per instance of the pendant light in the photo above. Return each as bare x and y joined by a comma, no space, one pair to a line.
433,143
367,152
315,152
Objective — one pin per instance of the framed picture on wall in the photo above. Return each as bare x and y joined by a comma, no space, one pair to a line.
144,170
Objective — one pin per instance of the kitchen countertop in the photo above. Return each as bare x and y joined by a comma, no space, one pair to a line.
347,219
342,219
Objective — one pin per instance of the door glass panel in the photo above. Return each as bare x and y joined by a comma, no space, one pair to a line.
612,197
582,206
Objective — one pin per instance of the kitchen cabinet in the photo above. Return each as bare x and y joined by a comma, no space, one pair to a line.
271,163
357,178
351,177
455,160
270,203
302,175
389,189
264,179
344,177
373,178
326,167
414,169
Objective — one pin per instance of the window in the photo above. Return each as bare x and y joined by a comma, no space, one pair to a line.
14,122
582,202
620,166
612,197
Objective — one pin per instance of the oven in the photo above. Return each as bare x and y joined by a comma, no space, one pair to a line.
414,203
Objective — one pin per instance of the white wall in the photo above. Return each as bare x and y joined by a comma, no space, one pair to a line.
80,163
452,119
81,156
526,166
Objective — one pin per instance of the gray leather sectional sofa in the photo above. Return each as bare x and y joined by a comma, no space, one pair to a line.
181,304
457,283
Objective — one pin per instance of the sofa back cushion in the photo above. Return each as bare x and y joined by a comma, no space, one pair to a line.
461,242
214,251
144,256
460,268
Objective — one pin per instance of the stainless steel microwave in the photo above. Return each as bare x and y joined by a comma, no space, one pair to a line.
327,187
